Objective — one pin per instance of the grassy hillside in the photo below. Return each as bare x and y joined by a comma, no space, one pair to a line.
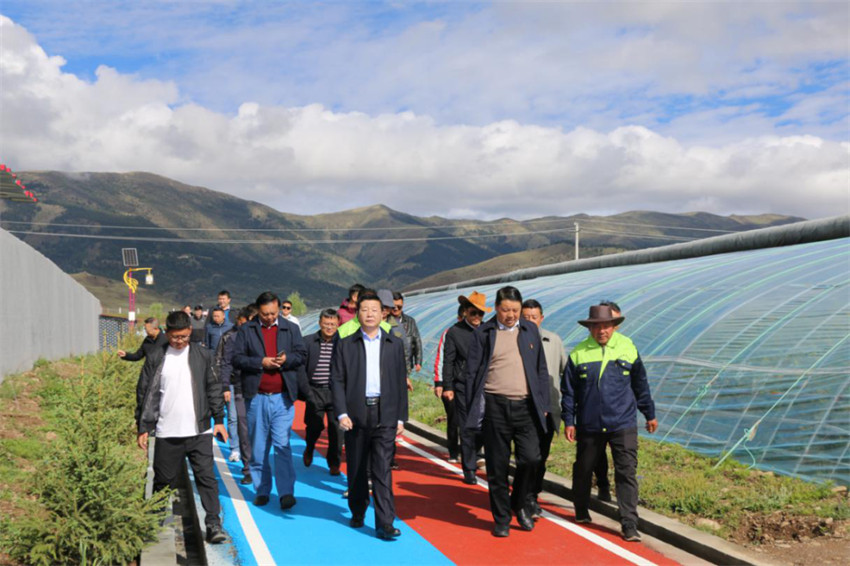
200,241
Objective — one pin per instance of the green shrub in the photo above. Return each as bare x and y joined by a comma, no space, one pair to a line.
90,506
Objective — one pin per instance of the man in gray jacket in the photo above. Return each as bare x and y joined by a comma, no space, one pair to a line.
556,362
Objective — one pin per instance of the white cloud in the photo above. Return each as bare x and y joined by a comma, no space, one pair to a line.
310,159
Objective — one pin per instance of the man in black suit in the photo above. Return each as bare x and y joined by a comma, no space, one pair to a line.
314,383
369,390
508,387
269,350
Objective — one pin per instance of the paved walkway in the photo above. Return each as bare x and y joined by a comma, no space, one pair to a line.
442,520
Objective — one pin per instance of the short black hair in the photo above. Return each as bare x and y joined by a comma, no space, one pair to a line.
328,313
152,319
199,307
356,288
178,320
368,295
461,309
219,309
508,293
286,302
532,304
612,305
248,312
188,305
397,296
224,292
266,298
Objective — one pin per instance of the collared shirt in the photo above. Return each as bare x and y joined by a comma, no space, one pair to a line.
509,329
270,325
373,364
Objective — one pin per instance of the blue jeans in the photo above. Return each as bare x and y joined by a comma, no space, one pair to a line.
270,419
232,428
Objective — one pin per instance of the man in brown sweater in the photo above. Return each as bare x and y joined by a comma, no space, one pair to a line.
508,388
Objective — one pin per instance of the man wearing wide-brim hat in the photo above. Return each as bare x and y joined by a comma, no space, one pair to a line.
602,389
455,349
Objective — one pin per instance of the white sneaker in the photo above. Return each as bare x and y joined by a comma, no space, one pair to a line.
234,457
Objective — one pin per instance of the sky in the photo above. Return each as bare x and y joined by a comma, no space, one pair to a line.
459,109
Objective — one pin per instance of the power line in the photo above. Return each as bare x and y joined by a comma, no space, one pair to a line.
327,242
373,229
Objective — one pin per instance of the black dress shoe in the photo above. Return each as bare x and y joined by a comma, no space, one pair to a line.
308,457
215,534
535,510
387,532
356,521
261,500
287,502
524,519
470,479
246,480
501,531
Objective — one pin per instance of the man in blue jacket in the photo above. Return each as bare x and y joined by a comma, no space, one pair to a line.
269,350
602,389
508,386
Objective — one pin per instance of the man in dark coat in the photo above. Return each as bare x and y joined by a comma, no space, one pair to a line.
177,394
455,351
314,384
508,386
269,350
154,338
369,389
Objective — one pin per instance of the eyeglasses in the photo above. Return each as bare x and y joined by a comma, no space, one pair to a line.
476,313
285,308
396,308
178,338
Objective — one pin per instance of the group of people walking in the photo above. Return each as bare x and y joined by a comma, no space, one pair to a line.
504,382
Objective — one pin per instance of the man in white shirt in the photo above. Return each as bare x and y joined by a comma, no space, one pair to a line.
177,395
286,312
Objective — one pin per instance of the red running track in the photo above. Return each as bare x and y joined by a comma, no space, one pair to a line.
455,518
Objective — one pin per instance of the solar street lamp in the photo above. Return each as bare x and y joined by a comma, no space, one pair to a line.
131,260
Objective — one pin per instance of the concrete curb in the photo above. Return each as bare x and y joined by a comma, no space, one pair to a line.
703,545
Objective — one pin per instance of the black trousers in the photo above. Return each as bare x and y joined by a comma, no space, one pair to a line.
168,456
601,472
507,421
591,446
471,440
452,430
242,429
545,447
371,447
319,404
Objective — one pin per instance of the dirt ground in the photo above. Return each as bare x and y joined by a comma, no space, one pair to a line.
798,541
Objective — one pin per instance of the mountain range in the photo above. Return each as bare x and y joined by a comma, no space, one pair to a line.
199,241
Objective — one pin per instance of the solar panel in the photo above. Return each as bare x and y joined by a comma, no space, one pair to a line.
131,257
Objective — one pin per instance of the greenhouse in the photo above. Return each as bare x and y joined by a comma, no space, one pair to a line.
747,352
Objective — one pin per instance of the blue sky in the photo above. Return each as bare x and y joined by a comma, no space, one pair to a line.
719,106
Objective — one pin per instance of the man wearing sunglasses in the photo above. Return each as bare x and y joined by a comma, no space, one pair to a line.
286,312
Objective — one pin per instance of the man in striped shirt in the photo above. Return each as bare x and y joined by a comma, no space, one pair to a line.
314,378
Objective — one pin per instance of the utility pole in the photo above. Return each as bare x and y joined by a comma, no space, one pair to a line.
577,230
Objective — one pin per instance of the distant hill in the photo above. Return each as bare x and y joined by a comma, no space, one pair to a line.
200,241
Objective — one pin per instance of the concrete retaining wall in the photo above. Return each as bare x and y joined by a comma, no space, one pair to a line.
44,313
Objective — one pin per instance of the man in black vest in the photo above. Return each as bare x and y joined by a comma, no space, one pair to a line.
369,389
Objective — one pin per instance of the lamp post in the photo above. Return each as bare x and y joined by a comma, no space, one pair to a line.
133,284
131,260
